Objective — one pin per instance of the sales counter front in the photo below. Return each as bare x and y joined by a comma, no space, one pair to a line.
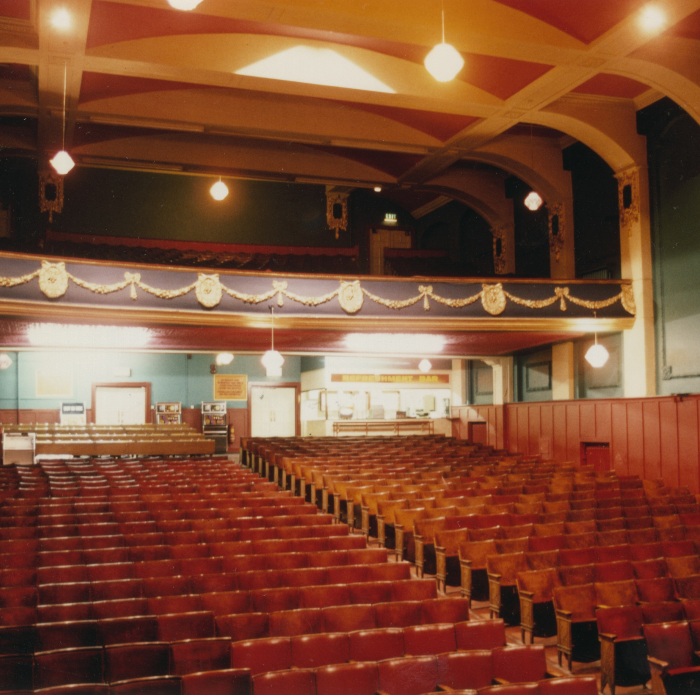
408,426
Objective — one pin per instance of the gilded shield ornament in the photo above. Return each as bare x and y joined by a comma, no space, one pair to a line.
208,290
53,279
350,297
493,299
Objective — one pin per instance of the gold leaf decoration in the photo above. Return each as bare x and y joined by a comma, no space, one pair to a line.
493,299
208,290
350,297
627,299
53,279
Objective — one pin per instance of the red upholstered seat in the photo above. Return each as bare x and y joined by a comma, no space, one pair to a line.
376,644
345,618
136,660
356,678
518,664
62,635
311,650
67,666
480,634
229,681
250,625
16,672
288,682
432,638
671,658
154,685
465,670
196,655
408,675
303,621
262,655
186,625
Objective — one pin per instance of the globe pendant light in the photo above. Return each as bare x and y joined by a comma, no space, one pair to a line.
443,61
597,355
62,163
184,4
272,361
532,201
218,190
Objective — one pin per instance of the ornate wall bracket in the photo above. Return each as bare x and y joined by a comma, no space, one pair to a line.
628,196
337,211
50,193
500,250
556,226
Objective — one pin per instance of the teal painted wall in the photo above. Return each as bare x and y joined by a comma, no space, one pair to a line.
173,376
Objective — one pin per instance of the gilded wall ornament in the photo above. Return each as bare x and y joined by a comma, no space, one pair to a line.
53,279
628,196
208,291
50,193
337,211
555,226
493,299
627,299
350,297
500,247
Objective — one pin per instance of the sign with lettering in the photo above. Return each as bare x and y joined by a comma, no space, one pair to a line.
230,387
428,379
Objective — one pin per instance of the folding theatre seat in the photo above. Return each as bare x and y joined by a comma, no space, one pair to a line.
228,681
303,621
408,675
536,603
136,660
153,685
464,670
473,573
355,678
312,650
444,610
568,685
61,667
121,630
435,638
375,644
616,593
65,635
301,681
345,618
577,631
623,650
672,660
480,634
503,595
519,664
116,589
262,655
63,612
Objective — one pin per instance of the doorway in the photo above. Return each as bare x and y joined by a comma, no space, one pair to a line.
274,410
121,404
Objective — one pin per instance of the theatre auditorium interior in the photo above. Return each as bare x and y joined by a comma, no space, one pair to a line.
350,347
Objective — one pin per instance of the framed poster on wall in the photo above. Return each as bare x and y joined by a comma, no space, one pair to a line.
230,387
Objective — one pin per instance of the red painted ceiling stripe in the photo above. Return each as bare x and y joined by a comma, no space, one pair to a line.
585,20
612,86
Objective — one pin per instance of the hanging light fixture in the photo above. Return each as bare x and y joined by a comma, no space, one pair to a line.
224,358
219,190
425,365
533,201
62,163
272,361
5,361
443,61
184,4
597,355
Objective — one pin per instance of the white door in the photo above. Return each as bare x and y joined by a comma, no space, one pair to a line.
273,411
120,405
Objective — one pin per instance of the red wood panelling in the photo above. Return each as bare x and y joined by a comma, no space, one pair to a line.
656,437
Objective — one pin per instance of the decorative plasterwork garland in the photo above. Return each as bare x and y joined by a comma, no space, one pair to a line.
54,281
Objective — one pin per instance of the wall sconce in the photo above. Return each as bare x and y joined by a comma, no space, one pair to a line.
224,358
5,361
425,365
